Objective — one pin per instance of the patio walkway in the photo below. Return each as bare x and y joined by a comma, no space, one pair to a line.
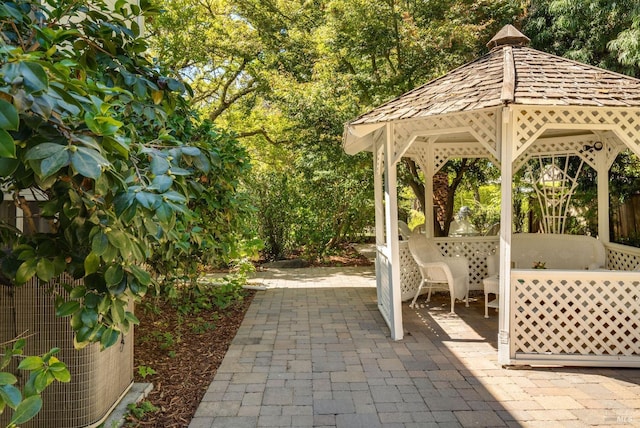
313,351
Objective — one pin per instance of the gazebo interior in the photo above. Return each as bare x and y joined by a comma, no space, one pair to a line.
520,108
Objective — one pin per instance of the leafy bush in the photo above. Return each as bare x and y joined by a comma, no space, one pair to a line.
136,186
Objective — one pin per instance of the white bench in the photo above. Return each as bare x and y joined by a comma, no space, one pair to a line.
568,252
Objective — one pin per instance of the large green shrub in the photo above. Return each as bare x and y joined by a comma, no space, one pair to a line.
135,186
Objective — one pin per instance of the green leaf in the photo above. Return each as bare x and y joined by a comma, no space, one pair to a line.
61,374
159,165
78,292
31,363
10,395
44,150
88,162
9,118
148,200
35,78
162,183
67,308
99,244
114,275
141,275
91,262
109,338
132,318
7,378
118,239
8,166
26,271
52,164
45,269
7,145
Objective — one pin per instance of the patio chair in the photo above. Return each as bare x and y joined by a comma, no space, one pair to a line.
438,271
403,229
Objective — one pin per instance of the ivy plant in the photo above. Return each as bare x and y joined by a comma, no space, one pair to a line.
133,185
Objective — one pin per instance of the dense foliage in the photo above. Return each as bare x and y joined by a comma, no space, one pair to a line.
134,186
286,75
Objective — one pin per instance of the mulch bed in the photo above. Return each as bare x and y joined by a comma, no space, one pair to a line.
185,351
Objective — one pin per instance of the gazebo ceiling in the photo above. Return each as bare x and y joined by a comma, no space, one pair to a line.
511,73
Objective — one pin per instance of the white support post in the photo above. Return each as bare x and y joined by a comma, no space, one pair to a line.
506,213
391,216
603,196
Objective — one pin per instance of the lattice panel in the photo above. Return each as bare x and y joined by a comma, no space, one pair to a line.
475,250
620,257
409,273
530,123
383,276
558,147
481,124
575,313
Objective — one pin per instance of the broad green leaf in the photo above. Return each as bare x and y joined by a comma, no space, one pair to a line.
31,363
88,162
91,262
42,380
44,150
60,372
89,316
141,275
159,165
7,145
8,166
9,118
7,378
132,318
67,308
26,271
148,200
52,164
162,183
117,312
114,275
10,395
99,244
118,239
35,78
109,338
78,292
191,151
45,269
92,300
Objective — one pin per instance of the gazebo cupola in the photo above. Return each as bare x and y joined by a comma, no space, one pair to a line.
511,105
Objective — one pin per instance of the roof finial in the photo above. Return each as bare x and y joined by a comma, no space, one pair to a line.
508,35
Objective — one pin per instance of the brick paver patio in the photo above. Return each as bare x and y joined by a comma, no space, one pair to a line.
313,351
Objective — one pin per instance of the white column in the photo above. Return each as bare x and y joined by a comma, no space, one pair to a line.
603,195
506,141
391,216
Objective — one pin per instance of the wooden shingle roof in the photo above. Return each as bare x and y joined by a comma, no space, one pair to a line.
511,73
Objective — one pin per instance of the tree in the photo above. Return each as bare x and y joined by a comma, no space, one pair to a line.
133,180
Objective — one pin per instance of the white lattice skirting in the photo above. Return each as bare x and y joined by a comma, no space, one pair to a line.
575,317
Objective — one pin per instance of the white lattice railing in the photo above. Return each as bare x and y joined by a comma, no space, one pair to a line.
384,281
622,257
475,249
575,317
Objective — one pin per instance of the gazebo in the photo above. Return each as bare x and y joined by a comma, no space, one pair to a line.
511,105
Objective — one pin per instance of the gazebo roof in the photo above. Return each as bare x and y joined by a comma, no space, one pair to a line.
511,73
